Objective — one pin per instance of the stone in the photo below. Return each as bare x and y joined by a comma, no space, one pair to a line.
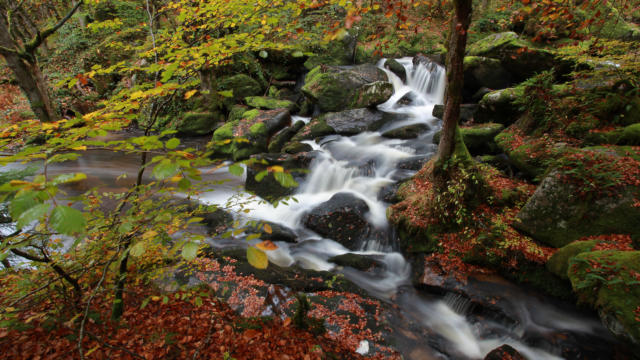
352,122
242,86
268,103
356,261
482,72
395,67
467,112
500,106
280,139
479,139
556,215
504,352
268,187
407,132
335,88
197,123
342,218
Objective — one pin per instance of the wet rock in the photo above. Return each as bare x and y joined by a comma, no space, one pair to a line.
389,193
407,132
352,122
558,263
504,352
339,88
414,163
278,232
271,188
430,61
242,138
396,68
341,218
316,128
296,147
356,261
557,215
467,112
280,139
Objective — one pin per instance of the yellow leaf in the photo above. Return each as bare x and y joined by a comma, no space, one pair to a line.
149,234
267,228
137,95
267,245
276,168
80,148
189,94
176,178
257,258
155,298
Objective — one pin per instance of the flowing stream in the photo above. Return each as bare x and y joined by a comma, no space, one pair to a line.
453,331
429,325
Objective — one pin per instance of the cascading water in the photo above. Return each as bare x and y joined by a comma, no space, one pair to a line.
362,165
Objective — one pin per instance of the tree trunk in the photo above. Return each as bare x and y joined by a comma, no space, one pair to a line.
28,75
455,78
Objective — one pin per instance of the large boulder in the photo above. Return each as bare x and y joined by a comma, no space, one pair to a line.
504,352
608,281
352,122
499,106
558,263
268,103
195,123
241,85
560,211
485,72
335,88
242,138
467,112
339,51
407,132
479,138
342,218
519,57
280,139
395,67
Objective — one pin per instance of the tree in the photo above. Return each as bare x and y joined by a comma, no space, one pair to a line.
21,57
450,140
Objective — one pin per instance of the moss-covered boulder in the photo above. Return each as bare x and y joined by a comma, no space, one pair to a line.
296,147
467,112
479,138
395,67
241,85
558,263
608,281
316,128
340,51
500,106
273,185
240,139
352,122
529,154
340,88
575,200
485,72
280,139
268,103
628,135
196,123
519,57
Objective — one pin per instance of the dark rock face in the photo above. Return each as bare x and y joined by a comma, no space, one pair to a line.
352,122
484,72
356,261
407,132
499,106
556,215
268,187
467,111
341,218
504,352
414,163
396,68
389,193
279,139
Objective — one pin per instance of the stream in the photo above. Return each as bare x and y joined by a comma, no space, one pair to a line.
428,325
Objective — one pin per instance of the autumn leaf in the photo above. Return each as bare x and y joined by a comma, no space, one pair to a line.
267,245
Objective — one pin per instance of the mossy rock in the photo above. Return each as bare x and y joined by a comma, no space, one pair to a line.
607,280
242,86
518,56
557,215
479,138
341,88
236,112
500,106
356,261
630,151
407,132
296,147
340,51
197,123
558,264
316,128
482,72
531,158
268,103
280,139
271,186
628,135
395,67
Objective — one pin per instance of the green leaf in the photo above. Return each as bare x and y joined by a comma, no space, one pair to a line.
67,220
172,143
67,178
165,169
285,179
32,214
184,184
145,302
137,249
259,176
22,203
226,93
190,251
257,258
236,170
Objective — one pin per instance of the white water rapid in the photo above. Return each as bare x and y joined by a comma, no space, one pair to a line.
338,168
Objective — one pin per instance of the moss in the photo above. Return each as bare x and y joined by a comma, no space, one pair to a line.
558,264
479,139
197,123
251,114
372,94
630,135
314,129
539,278
258,129
242,86
630,151
608,280
225,131
263,102
296,147
236,112
327,90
